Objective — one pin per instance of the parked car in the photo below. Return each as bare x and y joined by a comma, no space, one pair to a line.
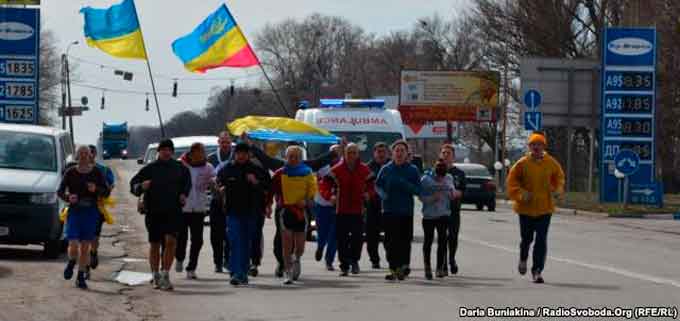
32,162
481,188
182,145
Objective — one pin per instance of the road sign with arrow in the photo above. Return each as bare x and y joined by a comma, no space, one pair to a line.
533,120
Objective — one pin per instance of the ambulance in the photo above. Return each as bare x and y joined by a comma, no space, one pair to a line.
361,121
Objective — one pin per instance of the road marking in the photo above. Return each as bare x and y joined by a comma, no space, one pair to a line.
605,268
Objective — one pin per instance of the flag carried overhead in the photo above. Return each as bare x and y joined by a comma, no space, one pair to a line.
216,42
115,30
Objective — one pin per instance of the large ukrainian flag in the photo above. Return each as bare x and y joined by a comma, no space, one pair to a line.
115,30
216,42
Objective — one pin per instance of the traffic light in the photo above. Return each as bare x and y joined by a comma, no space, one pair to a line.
103,101
147,102
174,89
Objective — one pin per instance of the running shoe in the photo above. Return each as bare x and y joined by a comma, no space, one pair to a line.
522,267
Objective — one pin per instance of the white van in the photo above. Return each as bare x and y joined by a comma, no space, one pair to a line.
182,145
32,161
362,121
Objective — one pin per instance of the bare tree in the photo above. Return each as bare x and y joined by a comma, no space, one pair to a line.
49,77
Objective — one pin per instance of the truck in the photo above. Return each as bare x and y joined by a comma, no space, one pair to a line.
114,140
361,121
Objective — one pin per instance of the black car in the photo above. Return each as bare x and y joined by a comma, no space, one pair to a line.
480,186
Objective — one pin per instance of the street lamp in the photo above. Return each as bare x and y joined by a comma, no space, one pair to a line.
64,59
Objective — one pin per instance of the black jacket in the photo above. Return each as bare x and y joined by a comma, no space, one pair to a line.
460,183
215,161
373,206
240,196
169,179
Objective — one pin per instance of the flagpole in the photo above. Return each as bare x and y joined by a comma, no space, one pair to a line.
148,66
276,93
269,80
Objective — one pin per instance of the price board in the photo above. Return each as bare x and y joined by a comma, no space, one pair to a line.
628,106
19,65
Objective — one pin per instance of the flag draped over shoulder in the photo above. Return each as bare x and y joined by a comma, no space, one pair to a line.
115,30
216,42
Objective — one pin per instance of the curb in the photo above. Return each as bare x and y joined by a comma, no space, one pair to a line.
575,212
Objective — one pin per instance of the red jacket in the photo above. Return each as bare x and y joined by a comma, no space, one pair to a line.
351,187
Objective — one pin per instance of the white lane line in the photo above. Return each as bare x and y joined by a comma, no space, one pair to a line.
605,268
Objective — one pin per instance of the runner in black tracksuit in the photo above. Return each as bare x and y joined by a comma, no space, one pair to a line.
448,153
218,219
373,207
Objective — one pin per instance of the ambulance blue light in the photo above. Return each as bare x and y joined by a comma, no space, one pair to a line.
352,103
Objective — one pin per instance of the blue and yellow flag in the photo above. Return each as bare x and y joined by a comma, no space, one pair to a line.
216,42
115,30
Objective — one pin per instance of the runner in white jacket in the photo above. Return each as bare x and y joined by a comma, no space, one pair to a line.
195,209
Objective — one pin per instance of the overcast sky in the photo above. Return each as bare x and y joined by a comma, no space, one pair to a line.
163,21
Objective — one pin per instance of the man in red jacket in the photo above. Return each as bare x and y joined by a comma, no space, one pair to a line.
350,177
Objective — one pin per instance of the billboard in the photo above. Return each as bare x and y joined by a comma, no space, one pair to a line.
19,65
434,130
448,95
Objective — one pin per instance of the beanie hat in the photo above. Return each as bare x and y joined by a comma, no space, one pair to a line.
166,143
538,138
242,147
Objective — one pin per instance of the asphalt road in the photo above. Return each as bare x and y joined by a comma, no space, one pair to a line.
593,263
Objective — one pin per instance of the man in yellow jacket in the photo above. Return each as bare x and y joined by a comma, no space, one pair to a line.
534,183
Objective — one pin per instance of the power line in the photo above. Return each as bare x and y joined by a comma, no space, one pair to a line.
135,92
162,76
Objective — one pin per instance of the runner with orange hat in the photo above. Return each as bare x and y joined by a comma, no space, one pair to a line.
534,183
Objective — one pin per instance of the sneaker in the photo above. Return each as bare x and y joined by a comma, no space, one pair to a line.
401,274
235,281
218,269
538,279
68,270
391,276
179,266
226,266
297,269
253,271
522,267
428,272
406,270
344,272
166,285
80,281
94,260
156,281
355,268
288,280
329,267
441,273
454,268
375,266
278,272
318,255
191,275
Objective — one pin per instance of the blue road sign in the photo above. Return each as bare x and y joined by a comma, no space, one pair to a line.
628,111
19,65
627,162
648,194
533,99
533,120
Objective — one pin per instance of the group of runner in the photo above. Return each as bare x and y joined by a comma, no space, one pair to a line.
351,201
